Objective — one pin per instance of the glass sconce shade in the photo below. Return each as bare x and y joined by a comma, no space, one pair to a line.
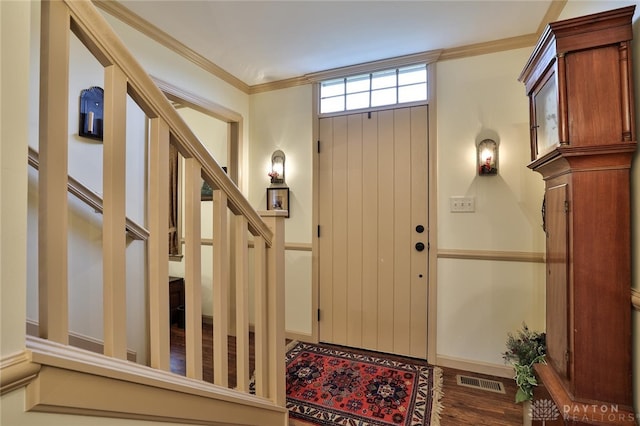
487,158
277,167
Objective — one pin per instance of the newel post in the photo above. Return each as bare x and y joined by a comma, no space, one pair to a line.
275,306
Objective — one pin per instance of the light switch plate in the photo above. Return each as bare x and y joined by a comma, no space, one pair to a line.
460,204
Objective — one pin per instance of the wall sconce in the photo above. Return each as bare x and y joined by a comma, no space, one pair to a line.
91,113
278,191
487,151
277,167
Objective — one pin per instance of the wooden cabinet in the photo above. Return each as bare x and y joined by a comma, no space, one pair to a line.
579,83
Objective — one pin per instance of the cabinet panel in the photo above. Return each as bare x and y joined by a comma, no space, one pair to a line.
556,220
594,106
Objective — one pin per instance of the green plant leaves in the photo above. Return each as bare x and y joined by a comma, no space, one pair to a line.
524,350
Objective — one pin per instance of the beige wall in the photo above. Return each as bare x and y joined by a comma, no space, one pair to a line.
282,119
14,90
480,301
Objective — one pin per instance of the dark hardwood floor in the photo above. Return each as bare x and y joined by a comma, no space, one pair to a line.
178,364
462,406
466,406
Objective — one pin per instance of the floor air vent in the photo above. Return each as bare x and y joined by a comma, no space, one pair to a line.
484,384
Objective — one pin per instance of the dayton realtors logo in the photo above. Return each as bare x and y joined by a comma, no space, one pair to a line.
543,410
546,410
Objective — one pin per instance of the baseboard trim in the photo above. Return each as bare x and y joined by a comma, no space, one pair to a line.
300,337
291,335
475,366
80,341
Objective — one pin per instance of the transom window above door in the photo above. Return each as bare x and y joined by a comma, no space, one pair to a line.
394,86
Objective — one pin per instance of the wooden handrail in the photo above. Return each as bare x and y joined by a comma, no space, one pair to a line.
93,200
109,50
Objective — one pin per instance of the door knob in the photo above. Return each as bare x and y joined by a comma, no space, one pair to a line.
419,246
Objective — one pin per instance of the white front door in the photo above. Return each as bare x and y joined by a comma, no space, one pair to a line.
372,216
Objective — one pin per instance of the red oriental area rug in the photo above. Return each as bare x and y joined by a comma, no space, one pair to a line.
330,385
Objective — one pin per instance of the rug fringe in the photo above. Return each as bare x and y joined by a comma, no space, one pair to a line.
436,403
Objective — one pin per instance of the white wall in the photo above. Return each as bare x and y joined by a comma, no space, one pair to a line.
282,119
479,302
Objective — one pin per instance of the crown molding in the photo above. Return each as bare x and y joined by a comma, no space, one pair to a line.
279,84
125,15
552,15
183,98
528,40
399,61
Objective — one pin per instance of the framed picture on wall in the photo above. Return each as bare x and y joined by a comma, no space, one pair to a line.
278,199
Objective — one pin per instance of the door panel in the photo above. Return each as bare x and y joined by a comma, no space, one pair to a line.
373,194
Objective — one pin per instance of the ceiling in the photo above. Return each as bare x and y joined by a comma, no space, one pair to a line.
260,42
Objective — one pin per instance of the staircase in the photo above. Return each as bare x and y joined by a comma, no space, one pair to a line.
62,378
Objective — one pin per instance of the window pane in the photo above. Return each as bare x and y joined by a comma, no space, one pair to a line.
412,75
383,97
332,88
413,93
383,79
358,83
358,100
332,104
381,88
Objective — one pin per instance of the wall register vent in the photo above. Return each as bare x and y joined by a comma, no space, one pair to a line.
483,384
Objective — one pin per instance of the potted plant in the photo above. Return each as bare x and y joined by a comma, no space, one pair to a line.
525,348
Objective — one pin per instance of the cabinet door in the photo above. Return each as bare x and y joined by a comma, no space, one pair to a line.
556,220
545,134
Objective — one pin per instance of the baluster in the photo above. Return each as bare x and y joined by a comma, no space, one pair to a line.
159,244
260,307
242,304
193,270
52,185
275,302
114,213
220,289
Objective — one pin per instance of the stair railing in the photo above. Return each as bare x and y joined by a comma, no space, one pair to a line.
124,76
